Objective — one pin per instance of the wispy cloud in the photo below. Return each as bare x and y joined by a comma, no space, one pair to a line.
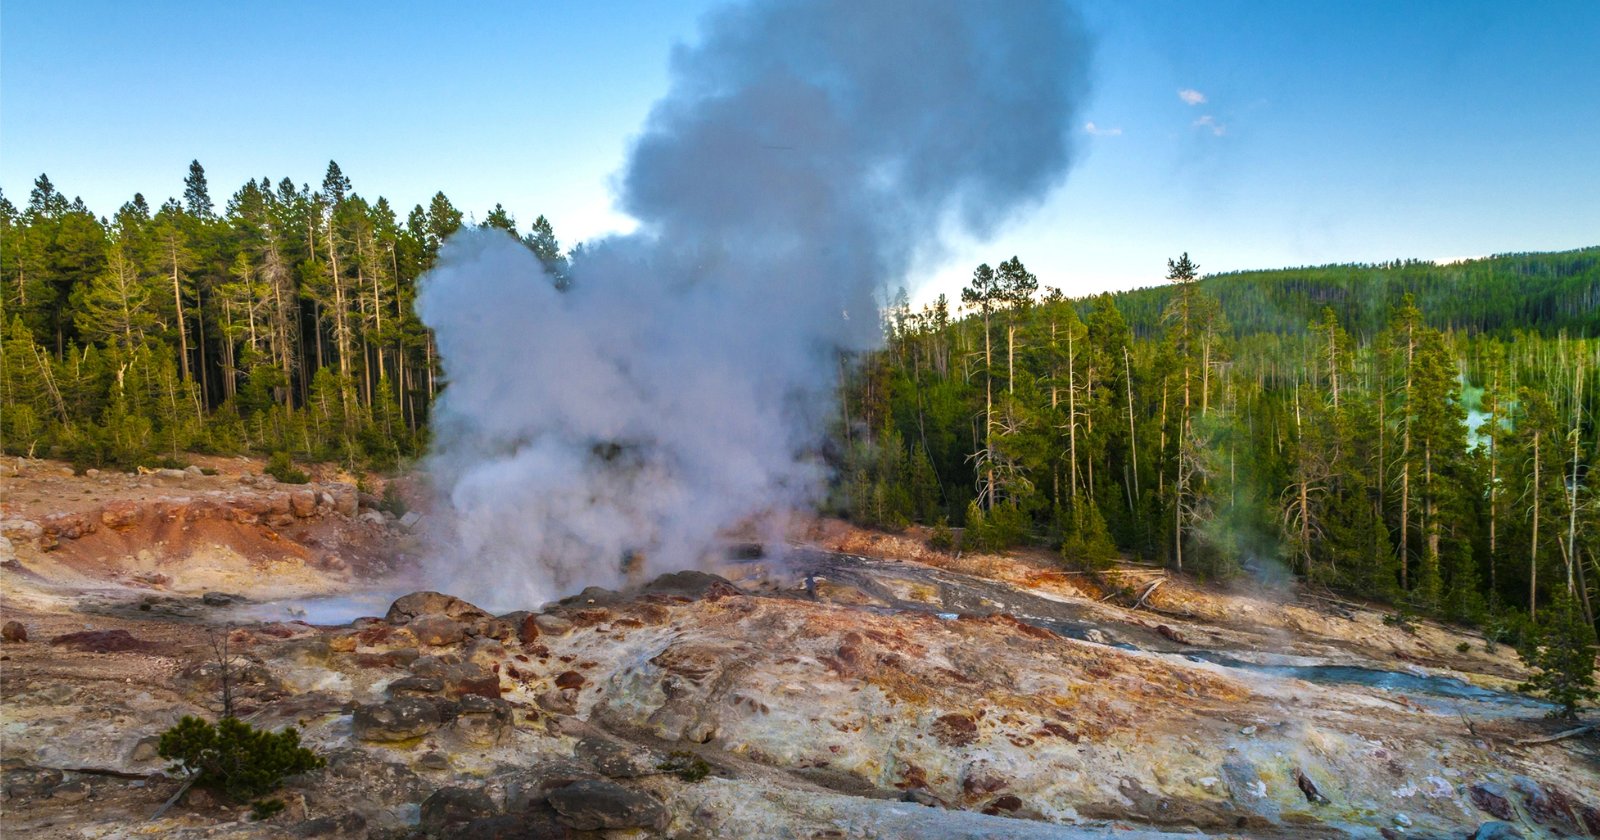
1097,131
1210,122
1190,96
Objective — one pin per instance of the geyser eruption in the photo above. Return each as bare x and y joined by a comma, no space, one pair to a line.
806,154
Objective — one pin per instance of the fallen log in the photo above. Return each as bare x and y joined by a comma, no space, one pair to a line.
1151,588
1559,736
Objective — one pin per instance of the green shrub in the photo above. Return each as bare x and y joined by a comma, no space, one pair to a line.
234,758
1561,647
392,502
281,467
942,538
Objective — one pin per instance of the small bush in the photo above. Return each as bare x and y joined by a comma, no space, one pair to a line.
686,766
265,809
208,470
942,538
1561,648
1463,647
392,502
281,467
235,759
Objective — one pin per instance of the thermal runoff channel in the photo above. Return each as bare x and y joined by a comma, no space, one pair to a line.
672,382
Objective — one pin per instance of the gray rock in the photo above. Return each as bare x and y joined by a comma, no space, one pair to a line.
169,474
1497,830
589,805
528,788
399,719
415,686
218,599
372,517
434,760
194,470
147,749
351,825
70,792
481,720
454,807
411,520
91,473
30,781
615,759
552,625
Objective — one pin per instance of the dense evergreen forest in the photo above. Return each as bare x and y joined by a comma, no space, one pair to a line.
282,323
1419,433
1439,457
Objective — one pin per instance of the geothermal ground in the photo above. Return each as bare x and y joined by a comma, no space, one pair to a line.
860,685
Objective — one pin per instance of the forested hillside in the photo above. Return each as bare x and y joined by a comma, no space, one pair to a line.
1546,293
1449,470
1410,431
281,321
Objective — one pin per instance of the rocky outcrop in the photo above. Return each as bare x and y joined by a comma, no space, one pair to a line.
595,804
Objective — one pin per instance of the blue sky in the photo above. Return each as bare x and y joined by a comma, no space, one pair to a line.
1313,132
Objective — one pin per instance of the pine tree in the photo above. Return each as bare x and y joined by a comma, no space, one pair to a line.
196,196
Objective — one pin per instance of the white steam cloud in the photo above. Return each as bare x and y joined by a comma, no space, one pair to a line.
806,153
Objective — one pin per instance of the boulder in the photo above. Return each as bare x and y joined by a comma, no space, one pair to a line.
408,607
345,499
590,805
528,788
552,625
13,631
21,530
615,759
303,503
692,585
437,630
447,809
1497,830
481,720
411,520
169,474
397,719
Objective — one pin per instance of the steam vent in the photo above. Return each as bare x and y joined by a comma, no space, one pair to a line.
799,420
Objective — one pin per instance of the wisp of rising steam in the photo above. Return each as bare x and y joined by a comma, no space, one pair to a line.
805,155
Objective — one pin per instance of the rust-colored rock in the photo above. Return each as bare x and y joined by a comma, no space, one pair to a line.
119,514
13,631
103,641
955,730
303,503
570,679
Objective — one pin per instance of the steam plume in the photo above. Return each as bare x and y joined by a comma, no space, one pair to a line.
806,154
